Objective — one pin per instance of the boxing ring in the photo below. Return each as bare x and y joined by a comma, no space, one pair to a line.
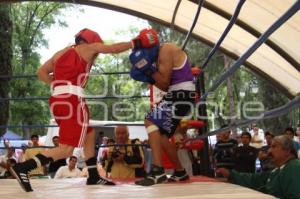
197,187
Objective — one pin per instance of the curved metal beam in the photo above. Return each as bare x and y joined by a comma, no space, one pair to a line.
289,13
214,9
224,34
175,13
254,32
200,3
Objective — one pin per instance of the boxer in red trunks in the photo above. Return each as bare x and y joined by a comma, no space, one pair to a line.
67,73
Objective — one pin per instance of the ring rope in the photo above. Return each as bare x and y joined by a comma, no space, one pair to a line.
289,13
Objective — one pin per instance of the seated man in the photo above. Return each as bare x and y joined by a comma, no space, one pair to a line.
102,151
184,154
282,182
224,149
4,160
32,152
263,155
10,163
54,166
257,135
290,132
124,160
69,171
245,156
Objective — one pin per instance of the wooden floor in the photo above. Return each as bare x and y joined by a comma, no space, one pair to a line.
75,188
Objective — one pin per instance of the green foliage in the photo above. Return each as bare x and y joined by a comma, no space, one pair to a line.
120,86
5,62
29,20
272,98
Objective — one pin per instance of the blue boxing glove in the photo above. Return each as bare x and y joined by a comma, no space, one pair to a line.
138,75
144,59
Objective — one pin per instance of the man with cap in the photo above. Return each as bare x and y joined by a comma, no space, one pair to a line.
281,182
67,72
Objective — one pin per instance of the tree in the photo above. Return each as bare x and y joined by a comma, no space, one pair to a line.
120,86
29,19
272,98
5,62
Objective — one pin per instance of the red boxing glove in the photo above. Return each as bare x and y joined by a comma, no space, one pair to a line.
146,39
193,145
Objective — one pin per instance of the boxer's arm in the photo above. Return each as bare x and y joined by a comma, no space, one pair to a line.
165,66
44,72
113,48
147,38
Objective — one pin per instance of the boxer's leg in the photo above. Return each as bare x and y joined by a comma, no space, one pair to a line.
157,173
157,121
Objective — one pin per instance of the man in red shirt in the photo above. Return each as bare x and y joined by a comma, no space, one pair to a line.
67,72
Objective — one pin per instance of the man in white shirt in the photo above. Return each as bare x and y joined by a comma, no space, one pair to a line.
102,152
79,153
258,139
69,171
184,155
3,160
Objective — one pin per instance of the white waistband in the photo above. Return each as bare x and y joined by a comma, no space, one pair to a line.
189,86
68,89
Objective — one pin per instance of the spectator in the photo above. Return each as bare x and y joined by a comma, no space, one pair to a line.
32,152
99,138
123,160
224,149
69,171
257,139
9,163
239,139
245,155
297,138
54,166
282,182
105,166
6,144
4,164
184,155
289,131
147,155
218,137
21,153
102,151
79,153
265,159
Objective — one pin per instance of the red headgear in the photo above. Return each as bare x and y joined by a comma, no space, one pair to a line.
89,36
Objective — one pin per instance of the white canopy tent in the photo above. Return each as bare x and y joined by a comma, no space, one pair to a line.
277,60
